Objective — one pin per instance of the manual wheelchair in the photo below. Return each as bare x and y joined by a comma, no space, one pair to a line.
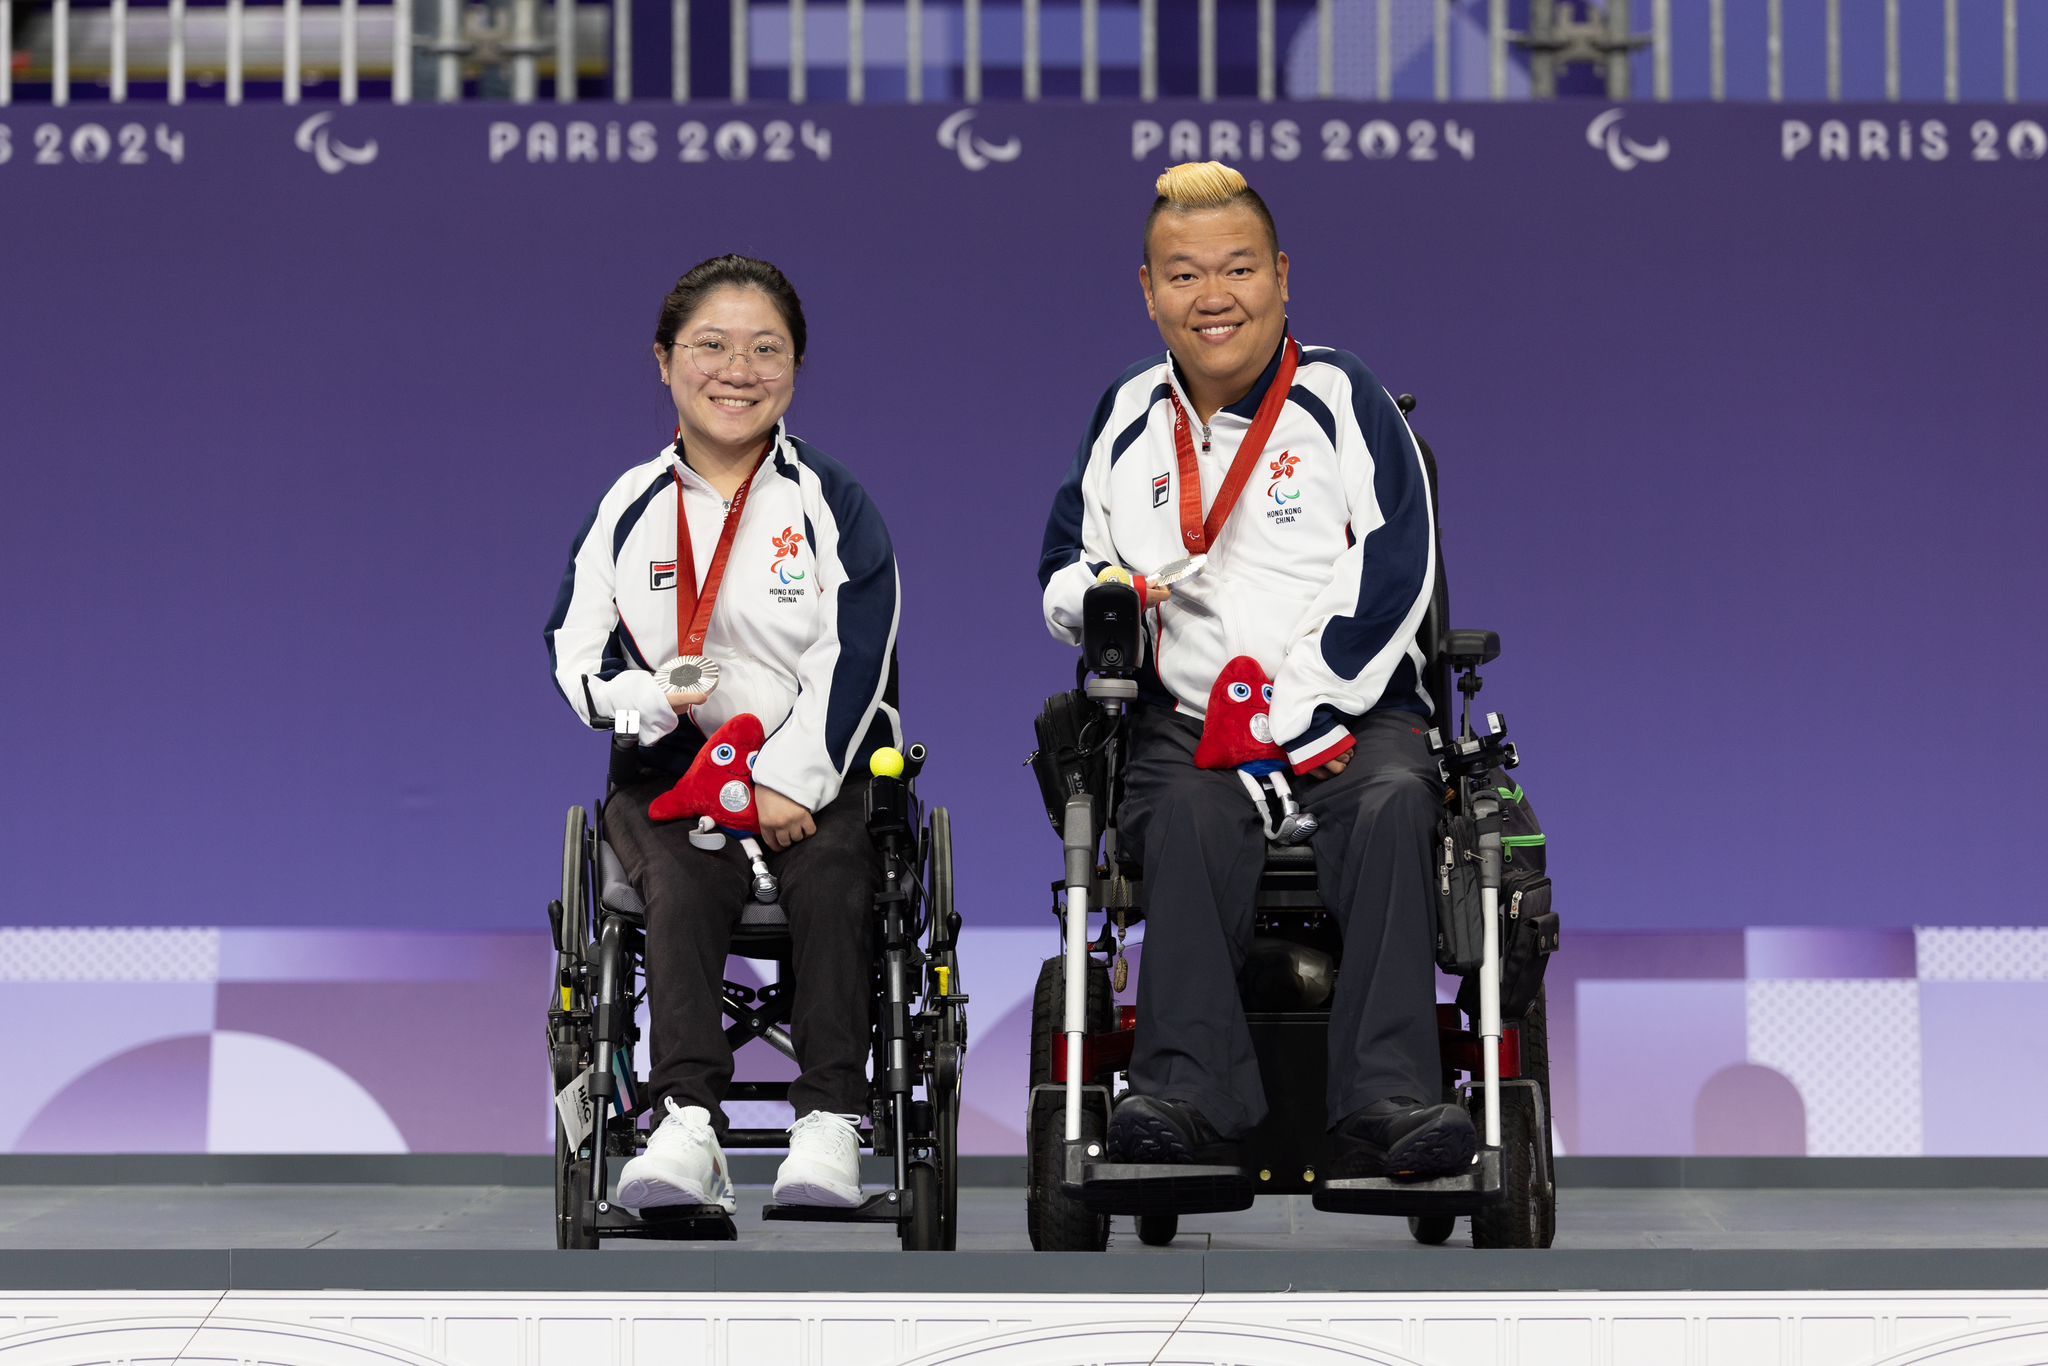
918,1027
1081,1041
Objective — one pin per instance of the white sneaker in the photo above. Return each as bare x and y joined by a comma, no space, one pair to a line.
683,1164
823,1166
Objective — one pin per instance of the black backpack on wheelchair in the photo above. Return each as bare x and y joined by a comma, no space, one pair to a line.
918,1024
1495,930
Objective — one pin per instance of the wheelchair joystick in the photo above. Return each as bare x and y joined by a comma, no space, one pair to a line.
1112,642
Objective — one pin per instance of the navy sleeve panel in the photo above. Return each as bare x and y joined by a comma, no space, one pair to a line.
1307,401
867,605
630,518
1395,566
1062,543
560,612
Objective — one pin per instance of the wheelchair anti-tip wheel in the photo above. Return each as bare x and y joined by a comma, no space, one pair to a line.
1157,1230
1432,1229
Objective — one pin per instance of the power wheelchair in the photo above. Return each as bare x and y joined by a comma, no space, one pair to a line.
918,1026
1081,1041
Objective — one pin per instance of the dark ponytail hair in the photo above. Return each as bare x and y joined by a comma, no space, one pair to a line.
718,273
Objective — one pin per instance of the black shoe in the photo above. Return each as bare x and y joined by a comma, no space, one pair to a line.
1403,1137
1153,1129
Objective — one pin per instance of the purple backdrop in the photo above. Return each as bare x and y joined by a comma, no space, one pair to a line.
1737,448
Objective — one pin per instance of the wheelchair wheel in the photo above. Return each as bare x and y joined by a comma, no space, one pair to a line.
1535,1031
946,1067
1049,1012
939,879
924,1230
1518,1220
1157,1230
575,863
572,1199
1057,1222
1432,1230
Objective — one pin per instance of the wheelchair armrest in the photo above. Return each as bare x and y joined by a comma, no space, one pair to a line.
1470,649
618,894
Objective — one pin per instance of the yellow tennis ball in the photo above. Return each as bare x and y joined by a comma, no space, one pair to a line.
886,763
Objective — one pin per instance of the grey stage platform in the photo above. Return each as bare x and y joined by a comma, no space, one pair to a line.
1704,1235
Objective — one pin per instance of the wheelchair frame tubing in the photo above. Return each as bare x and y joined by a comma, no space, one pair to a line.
1486,816
605,1015
1079,838
896,931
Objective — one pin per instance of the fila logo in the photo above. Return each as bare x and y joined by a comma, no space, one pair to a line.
1160,485
661,574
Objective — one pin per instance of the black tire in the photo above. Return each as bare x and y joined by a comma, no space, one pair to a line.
924,1230
1536,1066
1157,1230
575,864
1057,1222
1432,1230
939,877
565,1061
573,1230
1517,1220
1049,1011
949,1159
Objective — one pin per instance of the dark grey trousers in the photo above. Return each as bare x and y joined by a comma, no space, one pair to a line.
695,896
1202,849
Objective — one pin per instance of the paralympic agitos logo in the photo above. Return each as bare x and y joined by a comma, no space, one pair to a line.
786,547
1282,470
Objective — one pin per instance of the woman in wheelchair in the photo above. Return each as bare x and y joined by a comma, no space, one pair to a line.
740,571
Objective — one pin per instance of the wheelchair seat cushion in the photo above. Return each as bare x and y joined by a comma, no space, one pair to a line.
763,919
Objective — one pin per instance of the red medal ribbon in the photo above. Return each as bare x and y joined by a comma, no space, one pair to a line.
1198,535
693,609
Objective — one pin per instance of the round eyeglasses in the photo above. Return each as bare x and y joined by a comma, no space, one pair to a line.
714,356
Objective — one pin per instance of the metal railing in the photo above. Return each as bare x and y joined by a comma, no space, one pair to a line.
971,50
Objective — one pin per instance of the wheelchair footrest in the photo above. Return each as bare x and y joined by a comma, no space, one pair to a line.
679,1223
885,1207
1459,1194
1156,1187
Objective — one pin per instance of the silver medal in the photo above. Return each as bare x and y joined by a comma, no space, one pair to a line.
1178,571
688,673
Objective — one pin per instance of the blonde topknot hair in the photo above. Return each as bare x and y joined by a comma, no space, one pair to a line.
1196,185
1200,185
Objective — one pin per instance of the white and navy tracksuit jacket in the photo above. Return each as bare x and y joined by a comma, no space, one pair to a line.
804,629
1323,573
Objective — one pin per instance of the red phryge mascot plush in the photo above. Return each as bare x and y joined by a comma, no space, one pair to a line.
718,792
1237,733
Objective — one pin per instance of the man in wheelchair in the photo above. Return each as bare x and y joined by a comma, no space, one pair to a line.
1271,510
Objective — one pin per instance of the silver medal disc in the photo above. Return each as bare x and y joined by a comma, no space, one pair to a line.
688,673
1178,571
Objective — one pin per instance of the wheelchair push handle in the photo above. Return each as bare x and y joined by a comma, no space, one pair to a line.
624,727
